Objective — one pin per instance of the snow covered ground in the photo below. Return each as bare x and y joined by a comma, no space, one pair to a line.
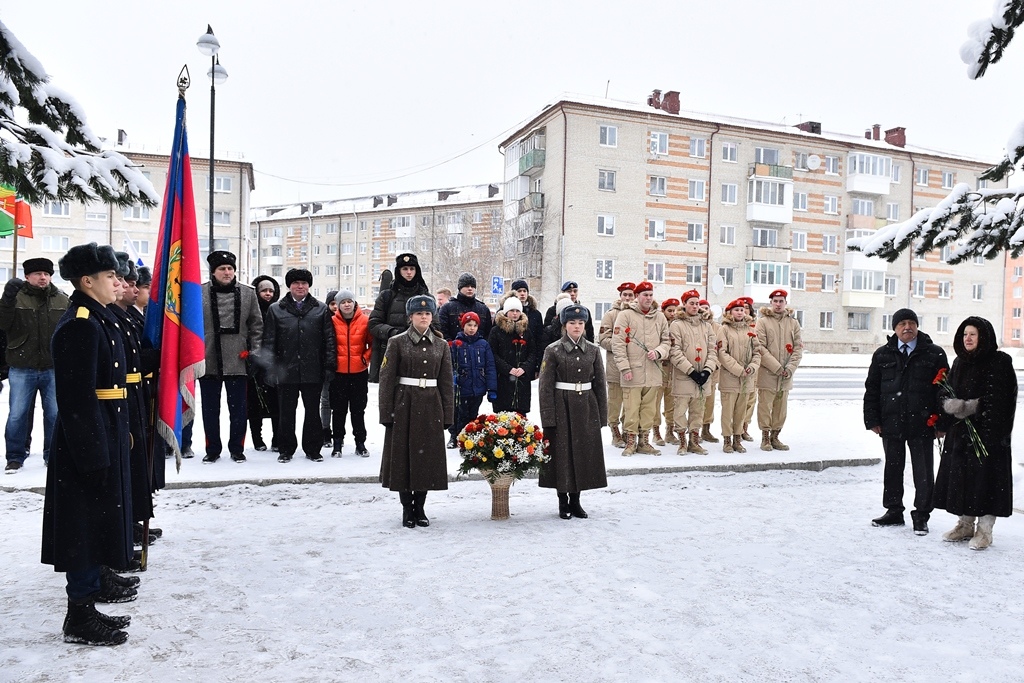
705,576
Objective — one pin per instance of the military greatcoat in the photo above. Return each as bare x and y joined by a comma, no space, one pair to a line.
142,496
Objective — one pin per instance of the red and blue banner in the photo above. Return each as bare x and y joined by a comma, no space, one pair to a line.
174,317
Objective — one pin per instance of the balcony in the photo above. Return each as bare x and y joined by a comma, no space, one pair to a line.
771,171
772,213
532,162
272,261
869,223
272,241
866,183
773,254
861,299
532,201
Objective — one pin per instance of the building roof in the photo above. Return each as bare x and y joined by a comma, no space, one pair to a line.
732,121
397,201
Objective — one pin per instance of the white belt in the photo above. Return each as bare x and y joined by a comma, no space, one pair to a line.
421,382
569,386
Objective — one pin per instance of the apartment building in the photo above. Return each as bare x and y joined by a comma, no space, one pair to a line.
350,242
601,191
57,226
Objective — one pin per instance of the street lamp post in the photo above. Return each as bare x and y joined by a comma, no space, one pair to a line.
209,46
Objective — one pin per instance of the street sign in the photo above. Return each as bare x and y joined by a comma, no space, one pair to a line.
497,285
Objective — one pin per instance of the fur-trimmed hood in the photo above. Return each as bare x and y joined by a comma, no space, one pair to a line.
766,312
746,321
506,325
681,314
655,308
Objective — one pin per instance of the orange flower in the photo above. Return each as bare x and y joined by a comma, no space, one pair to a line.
502,431
939,376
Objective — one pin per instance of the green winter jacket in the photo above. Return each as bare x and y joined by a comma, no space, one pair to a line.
29,321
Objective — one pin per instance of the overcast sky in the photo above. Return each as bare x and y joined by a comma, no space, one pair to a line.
331,100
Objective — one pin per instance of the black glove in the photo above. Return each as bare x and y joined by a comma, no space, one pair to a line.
696,377
705,375
492,396
95,479
12,288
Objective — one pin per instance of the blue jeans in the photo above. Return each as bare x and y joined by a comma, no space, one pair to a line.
24,384
210,388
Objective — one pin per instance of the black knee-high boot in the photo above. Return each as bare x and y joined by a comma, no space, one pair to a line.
563,505
574,506
408,521
419,498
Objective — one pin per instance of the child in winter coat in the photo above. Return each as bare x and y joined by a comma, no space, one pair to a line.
474,373
668,307
349,387
739,355
515,356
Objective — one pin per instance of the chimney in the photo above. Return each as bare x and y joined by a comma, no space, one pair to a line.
876,131
896,136
492,190
867,134
392,199
810,127
122,138
377,201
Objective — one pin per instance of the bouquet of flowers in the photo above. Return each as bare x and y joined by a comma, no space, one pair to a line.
501,444
979,447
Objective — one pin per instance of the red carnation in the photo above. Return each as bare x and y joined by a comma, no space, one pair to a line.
789,348
939,376
932,420
243,354
697,359
751,334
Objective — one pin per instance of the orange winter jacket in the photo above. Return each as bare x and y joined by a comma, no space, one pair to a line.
353,342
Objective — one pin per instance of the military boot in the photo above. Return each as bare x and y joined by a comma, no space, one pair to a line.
706,435
645,446
682,443
657,436
727,446
617,439
737,444
630,448
83,625
745,435
670,436
695,446
776,444
766,440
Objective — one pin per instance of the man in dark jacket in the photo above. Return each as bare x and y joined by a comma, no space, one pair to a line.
29,311
464,302
521,290
901,405
571,288
388,317
299,348
261,398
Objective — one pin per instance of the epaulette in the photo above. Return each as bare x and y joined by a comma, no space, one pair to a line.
83,312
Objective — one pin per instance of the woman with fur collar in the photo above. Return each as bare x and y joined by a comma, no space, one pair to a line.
515,356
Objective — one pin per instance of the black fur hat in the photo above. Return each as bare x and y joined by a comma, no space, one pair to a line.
87,259
145,277
421,302
221,258
37,265
298,274
126,267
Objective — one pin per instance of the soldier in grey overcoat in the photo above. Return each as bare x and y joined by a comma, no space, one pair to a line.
573,409
417,405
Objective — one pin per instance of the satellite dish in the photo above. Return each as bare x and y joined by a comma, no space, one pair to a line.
717,285
814,162
717,310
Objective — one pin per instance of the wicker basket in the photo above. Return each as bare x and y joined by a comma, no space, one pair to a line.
499,495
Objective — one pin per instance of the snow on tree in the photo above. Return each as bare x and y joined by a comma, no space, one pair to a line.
48,153
983,222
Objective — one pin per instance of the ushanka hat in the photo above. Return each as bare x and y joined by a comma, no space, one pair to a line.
221,258
87,259
297,274
145,277
125,266
574,312
37,265
420,303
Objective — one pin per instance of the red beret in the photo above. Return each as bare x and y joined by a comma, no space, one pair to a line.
692,294
669,302
703,302
644,286
626,285
779,292
747,300
466,317
736,303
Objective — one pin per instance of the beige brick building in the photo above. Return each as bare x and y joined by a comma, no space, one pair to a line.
600,192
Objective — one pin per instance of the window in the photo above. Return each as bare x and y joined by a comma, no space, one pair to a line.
346,248
866,281
1018,271
696,188
765,237
608,136
727,234
1016,313
330,270
917,289
729,151
948,178
605,269
694,275
944,254
799,240
219,217
316,250
977,291
376,225
333,248
829,244
897,173
979,260
832,165
799,201
362,247
869,164
401,224
891,285
766,155
221,183
600,308
799,315
1015,334
798,280
863,207
921,177
767,273
656,272
141,213
136,247
831,204
828,282
606,225
942,324
56,209
858,321
659,143
698,147
606,180
887,321
317,228
1016,290
728,276
982,184
892,212
826,320
658,185
656,229
98,212
800,161
766,192
694,232
55,243
729,192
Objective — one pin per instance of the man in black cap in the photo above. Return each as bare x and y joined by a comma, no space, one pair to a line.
572,288
900,398
29,312
464,302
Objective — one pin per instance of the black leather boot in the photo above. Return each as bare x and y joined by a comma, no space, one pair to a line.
563,506
574,506
83,625
109,575
419,498
408,520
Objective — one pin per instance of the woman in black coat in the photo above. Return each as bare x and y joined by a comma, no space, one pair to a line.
388,317
261,398
515,357
972,484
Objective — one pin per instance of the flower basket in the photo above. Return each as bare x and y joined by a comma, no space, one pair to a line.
503,447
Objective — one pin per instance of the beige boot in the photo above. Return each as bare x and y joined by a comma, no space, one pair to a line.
737,444
745,435
670,436
727,445
963,531
766,440
706,435
630,448
645,446
657,436
681,450
695,446
776,444
617,440
983,535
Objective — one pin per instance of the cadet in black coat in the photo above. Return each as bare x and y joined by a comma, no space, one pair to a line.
87,515
900,398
